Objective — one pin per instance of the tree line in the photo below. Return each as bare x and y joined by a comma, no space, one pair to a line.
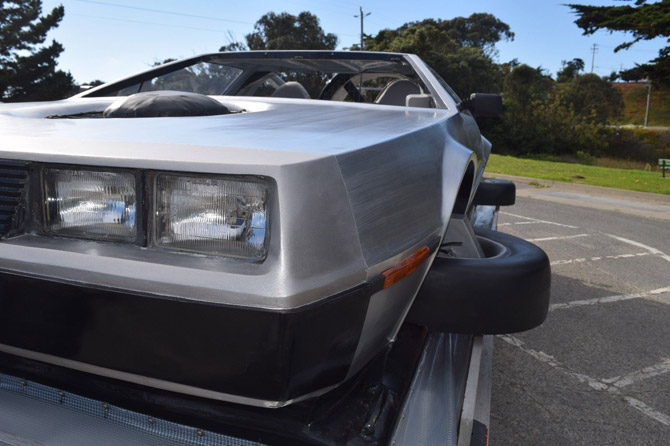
565,115
542,114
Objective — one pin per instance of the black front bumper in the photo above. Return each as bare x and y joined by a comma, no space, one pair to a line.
267,357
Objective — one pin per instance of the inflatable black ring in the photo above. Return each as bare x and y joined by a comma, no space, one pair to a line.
165,103
506,292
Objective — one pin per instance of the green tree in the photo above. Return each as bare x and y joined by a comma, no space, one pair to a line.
543,117
27,66
286,32
467,69
525,85
634,74
570,70
644,21
460,50
480,30
590,94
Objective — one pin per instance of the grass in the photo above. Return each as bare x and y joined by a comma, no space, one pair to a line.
627,164
637,180
635,104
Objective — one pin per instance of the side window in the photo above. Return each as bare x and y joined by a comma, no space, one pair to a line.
446,86
129,90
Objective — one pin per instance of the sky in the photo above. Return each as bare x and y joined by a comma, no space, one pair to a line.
111,39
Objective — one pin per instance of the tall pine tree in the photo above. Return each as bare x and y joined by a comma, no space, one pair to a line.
27,66
644,21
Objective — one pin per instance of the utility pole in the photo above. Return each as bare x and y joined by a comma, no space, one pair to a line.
362,16
646,113
593,57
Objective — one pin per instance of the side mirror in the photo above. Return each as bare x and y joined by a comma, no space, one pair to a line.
482,105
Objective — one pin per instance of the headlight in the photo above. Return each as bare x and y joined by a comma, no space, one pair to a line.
90,204
212,215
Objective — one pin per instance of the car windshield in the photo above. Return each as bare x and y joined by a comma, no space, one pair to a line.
202,77
385,79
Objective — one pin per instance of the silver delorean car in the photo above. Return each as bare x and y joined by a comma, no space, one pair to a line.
252,227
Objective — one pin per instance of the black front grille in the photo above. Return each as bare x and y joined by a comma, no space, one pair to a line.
13,180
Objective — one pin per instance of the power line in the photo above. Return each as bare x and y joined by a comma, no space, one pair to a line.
116,5
161,11
142,22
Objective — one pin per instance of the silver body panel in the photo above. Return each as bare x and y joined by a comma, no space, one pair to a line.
432,410
388,177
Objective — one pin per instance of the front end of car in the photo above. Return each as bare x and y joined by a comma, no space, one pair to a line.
164,278
201,255
213,270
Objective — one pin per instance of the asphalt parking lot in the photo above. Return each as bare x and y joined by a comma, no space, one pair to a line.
598,370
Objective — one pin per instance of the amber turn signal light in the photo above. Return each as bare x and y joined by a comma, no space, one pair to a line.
403,269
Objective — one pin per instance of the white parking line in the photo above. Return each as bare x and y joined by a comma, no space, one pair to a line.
650,249
608,299
530,220
639,405
595,384
564,237
520,223
535,220
640,375
614,385
595,259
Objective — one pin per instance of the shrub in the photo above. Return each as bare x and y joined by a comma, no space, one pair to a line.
639,145
550,128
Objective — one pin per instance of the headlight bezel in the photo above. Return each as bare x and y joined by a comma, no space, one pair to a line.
137,234
154,233
145,183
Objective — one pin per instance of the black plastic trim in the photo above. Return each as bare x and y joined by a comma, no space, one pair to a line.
253,353
480,434
362,411
14,179
482,105
506,292
495,192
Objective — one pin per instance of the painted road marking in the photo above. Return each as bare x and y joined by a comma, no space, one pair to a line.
650,249
595,384
520,223
535,220
608,299
595,259
564,237
611,386
640,375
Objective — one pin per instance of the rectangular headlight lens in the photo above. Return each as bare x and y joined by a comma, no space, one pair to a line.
212,215
91,204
